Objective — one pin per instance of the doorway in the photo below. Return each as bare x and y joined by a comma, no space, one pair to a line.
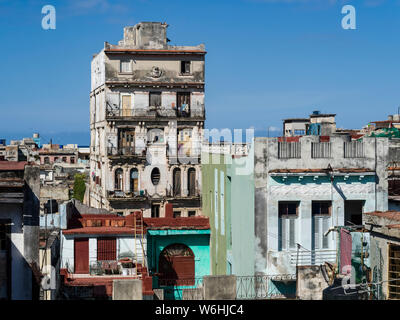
353,210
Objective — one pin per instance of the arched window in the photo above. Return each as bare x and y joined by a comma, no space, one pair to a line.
176,265
155,176
134,180
176,182
118,179
192,181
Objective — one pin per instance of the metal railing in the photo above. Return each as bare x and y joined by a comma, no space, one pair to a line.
354,149
152,112
263,287
182,289
320,150
311,258
289,150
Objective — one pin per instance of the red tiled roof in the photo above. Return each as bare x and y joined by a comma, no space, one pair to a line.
100,230
199,223
12,165
392,215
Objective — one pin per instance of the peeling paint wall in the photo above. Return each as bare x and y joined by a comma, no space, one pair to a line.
270,189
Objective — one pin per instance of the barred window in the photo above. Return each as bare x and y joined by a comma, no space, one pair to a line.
287,150
320,150
354,149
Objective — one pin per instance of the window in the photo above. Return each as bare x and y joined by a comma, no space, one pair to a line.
185,67
127,142
155,99
320,150
155,176
55,159
288,212
106,249
155,211
289,150
176,182
126,105
321,214
118,179
177,214
64,159
394,271
354,149
72,160
183,103
126,66
191,182
299,132
134,181
191,213
46,160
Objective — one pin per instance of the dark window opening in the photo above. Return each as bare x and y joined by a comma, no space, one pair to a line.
321,207
177,214
46,160
72,160
353,210
192,182
177,182
118,179
155,176
155,211
183,103
155,99
288,208
134,184
185,67
191,213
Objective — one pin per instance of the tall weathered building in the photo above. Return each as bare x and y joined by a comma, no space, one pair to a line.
146,120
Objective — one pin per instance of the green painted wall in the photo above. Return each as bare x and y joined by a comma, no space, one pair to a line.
232,247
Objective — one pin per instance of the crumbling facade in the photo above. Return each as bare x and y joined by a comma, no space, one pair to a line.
146,120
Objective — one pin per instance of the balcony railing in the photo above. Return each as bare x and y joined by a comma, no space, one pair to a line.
153,112
127,194
262,287
310,258
126,151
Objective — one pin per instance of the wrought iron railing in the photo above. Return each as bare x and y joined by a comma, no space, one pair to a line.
115,111
182,289
263,287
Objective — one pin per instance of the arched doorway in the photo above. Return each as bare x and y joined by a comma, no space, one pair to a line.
191,182
118,179
176,182
176,265
134,181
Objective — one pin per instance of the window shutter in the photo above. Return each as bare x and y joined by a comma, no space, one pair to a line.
325,222
292,234
316,233
283,234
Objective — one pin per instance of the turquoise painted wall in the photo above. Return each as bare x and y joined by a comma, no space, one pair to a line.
197,240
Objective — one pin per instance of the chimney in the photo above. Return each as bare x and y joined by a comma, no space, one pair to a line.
169,212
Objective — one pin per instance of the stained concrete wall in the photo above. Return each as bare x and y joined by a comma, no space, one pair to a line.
311,281
219,287
127,289
270,189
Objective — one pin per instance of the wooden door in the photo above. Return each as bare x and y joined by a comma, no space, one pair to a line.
81,255
126,106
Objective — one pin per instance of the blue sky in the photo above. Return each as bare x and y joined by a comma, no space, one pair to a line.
266,60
